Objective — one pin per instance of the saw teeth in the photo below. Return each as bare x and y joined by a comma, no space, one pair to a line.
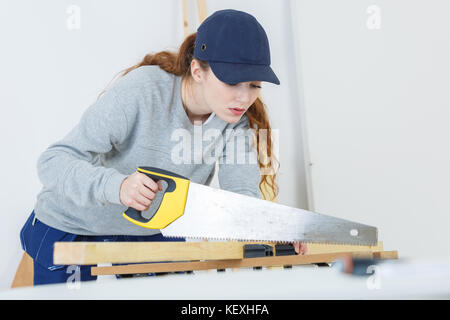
338,243
268,240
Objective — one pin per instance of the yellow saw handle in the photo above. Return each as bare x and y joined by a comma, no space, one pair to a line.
172,204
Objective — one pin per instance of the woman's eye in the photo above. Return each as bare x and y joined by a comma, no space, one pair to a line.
252,85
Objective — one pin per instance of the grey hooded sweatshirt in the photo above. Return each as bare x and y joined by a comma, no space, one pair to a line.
139,121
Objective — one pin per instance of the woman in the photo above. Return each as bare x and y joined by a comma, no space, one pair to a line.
89,177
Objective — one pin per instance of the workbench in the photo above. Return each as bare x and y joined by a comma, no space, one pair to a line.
140,257
306,278
298,282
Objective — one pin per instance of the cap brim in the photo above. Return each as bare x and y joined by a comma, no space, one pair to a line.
233,73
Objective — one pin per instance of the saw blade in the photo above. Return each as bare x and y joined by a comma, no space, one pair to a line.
217,214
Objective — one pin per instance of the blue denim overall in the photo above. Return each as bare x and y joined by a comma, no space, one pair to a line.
37,240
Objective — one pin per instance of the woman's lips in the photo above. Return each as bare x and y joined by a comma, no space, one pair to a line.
237,111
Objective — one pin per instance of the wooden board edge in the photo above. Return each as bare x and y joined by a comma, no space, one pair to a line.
228,264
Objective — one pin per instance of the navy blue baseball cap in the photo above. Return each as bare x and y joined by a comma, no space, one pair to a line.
235,46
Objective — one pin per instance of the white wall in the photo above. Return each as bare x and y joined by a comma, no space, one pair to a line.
377,109
50,75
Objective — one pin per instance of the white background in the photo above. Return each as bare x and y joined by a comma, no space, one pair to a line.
373,105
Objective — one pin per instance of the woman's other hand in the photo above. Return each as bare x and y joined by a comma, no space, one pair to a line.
300,248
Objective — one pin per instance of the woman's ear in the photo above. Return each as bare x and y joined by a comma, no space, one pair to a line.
196,71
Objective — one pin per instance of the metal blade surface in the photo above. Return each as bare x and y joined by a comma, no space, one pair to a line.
212,213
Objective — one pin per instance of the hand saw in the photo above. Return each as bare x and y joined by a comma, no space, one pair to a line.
191,210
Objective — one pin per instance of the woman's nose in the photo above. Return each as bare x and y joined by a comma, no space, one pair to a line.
243,96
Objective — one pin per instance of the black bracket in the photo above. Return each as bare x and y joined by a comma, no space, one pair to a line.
257,250
284,249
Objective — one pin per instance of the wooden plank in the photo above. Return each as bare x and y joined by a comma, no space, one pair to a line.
386,255
363,255
24,273
185,18
87,253
224,264
68,253
201,7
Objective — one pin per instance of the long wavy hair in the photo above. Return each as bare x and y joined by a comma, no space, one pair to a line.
179,64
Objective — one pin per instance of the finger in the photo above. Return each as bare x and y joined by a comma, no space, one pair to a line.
303,248
138,206
160,185
143,201
147,193
149,183
296,247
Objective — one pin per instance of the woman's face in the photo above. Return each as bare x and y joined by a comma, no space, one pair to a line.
229,102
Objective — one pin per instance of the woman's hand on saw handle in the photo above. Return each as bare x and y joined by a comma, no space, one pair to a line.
138,191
